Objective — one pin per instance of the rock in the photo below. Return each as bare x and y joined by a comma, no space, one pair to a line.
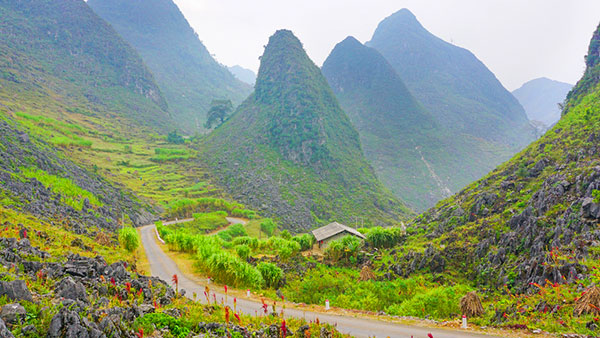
69,289
68,324
590,209
15,290
12,313
4,332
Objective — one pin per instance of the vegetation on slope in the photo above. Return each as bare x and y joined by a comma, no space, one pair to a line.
416,158
462,95
290,151
185,71
64,52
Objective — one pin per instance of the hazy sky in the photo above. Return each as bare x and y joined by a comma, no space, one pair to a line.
518,40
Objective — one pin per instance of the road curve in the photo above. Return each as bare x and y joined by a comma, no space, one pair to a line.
163,267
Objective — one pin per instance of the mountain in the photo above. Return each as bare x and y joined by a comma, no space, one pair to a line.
532,221
541,97
187,74
61,52
243,74
400,138
291,152
455,87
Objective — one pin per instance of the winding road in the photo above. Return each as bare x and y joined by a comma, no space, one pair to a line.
164,267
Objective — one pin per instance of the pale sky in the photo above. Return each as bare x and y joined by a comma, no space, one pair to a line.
518,40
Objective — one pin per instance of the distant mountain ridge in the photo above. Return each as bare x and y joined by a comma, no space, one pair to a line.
188,75
292,153
450,81
400,138
243,74
62,52
541,97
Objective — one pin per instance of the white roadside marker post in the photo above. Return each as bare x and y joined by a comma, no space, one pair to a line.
248,293
327,304
464,322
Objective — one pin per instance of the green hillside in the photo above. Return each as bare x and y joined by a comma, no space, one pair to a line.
290,151
185,71
62,50
458,90
417,159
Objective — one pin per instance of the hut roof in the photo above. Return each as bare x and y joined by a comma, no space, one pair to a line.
333,229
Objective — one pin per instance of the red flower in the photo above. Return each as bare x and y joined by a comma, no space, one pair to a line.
238,318
140,333
227,314
112,281
225,288
128,287
429,335
283,328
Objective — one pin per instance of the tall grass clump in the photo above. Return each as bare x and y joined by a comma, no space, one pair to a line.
129,239
231,270
344,249
268,226
306,241
71,194
380,237
271,274
235,230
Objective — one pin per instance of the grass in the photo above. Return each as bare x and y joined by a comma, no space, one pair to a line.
71,194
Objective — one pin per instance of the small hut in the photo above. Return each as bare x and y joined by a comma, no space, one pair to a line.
333,231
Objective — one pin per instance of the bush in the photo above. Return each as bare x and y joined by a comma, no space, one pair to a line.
344,249
306,241
252,242
285,235
282,247
229,269
271,274
175,138
178,327
380,237
128,237
235,230
439,303
268,226
243,251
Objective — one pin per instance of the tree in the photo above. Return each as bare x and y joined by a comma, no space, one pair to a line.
175,138
219,112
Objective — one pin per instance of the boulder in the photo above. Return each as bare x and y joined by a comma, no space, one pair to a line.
68,324
13,313
4,332
15,290
69,289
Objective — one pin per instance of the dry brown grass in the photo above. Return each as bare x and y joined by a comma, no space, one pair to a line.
589,302
103,238
366,273
470,305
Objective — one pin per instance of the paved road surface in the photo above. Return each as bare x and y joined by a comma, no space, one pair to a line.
164,267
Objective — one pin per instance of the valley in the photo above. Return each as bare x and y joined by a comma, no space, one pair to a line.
439,193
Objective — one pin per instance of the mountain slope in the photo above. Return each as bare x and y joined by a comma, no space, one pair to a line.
534,218
400,139
243,74
184,69
457,88
63,52
541,97
290,150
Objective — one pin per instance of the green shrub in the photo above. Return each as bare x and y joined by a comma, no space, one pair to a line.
128,237
596,195
235,230
243,251
439,303
384,237
306,241
268,226
282,247
343,249
251,242
285,235
271,274
178,327
229,269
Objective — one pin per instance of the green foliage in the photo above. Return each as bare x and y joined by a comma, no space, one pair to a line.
270,273
380,237
129,238
243,251
596,196
344,250
233,231
285,234
251,242
218,112
178,327
174,138
282,247
268,226
71,194
306,241
229,269
185,207
439,303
